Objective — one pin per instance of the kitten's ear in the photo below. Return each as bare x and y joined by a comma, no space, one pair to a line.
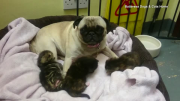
106,21
77,21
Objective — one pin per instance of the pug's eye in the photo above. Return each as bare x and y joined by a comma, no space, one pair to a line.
99,29
82,29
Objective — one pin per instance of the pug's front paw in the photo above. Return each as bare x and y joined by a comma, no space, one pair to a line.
116,56
64,75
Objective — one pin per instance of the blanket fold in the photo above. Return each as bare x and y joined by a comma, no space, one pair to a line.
19,73
134,85
119,41
16,40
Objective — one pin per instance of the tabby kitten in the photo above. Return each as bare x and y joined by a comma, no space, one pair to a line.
51,71
126,61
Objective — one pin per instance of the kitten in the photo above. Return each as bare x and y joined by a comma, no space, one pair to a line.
51,71
126,61
75,79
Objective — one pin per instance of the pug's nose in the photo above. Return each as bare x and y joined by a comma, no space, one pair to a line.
91,33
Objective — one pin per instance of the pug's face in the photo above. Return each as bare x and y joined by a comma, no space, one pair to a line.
92,29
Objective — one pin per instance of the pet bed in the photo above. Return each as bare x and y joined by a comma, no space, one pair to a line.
13,94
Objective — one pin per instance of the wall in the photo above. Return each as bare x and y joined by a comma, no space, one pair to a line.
169,13
31,9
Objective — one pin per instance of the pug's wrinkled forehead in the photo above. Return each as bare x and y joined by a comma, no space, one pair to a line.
90,21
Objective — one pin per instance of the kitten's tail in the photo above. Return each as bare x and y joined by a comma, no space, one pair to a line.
80,95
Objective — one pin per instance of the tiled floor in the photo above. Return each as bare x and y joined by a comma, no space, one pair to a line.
169,66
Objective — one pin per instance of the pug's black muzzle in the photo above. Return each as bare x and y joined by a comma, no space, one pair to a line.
92,38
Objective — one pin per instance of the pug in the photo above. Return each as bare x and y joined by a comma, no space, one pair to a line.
68,40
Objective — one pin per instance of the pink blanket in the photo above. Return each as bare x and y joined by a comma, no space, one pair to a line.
19,74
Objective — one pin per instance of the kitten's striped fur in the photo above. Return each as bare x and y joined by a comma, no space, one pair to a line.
51,71
75,80
126,61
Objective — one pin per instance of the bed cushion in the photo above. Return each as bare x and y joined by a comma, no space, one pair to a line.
137,46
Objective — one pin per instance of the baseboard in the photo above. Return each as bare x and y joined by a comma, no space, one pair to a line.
156,26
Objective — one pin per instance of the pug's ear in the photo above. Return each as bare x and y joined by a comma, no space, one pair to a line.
76,22
107,21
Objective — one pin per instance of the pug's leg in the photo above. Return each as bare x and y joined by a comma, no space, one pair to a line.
67,64
108,52
61,58
45,45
